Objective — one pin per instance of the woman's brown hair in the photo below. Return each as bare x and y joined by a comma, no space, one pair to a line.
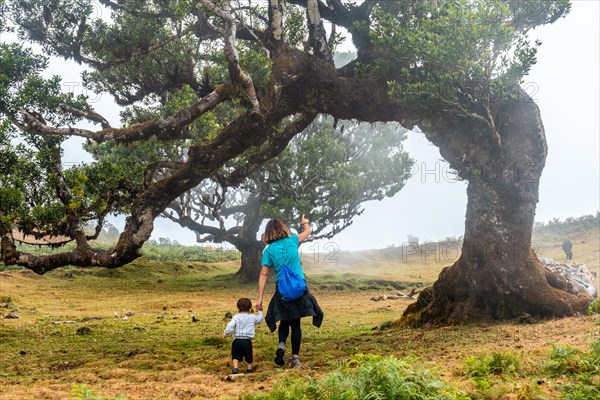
275,230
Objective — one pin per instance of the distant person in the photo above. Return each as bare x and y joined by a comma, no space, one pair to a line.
283,249
567,247
241,327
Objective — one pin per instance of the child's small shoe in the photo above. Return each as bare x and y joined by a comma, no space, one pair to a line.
235,371
279,354
295,362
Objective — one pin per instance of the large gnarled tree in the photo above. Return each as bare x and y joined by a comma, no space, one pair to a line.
451,67
325,172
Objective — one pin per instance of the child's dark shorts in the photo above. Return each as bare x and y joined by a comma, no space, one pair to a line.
242,349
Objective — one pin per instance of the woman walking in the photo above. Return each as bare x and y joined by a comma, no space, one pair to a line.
282,250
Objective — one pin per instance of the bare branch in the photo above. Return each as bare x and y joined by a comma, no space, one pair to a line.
275,36
89,115
152,168
168,129
236,73
317,37
277,143
337,13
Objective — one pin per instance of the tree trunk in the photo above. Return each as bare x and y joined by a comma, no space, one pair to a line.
251,261
498,274
247,244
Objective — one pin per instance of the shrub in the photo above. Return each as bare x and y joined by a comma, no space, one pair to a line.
180,253
482,368
594,307
82,392
580,391
496,364
367,377
567,360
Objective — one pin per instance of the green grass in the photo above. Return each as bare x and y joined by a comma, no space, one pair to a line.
157,352
594,307
367,376
482,367
84,393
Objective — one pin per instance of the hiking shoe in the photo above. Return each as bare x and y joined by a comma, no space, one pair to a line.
295,363
279,354
235,371
249,371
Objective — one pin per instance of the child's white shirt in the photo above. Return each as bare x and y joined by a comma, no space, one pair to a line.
242,325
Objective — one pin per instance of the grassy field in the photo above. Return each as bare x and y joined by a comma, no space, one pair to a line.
130,331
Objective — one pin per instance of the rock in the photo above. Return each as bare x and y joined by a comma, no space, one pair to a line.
227,316
135,352
232,377
526,319
63,322
194,319
84,319
84,330
578,276
11,315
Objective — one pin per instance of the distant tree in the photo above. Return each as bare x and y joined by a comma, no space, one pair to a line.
109,233
325,172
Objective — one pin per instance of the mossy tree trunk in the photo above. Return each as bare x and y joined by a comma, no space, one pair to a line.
250,248
498,274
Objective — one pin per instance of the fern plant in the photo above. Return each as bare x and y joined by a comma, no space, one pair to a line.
83,392
367,377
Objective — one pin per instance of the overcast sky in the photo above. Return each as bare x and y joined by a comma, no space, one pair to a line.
565,85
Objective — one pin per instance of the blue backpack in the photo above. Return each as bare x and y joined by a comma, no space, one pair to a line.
289,284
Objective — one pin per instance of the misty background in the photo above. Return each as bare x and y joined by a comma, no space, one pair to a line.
565,85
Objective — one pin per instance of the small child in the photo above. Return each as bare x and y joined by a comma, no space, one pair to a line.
242,327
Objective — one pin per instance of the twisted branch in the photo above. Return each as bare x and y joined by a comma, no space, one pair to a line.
236,73
317,37
168,129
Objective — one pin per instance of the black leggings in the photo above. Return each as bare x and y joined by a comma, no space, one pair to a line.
284,331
